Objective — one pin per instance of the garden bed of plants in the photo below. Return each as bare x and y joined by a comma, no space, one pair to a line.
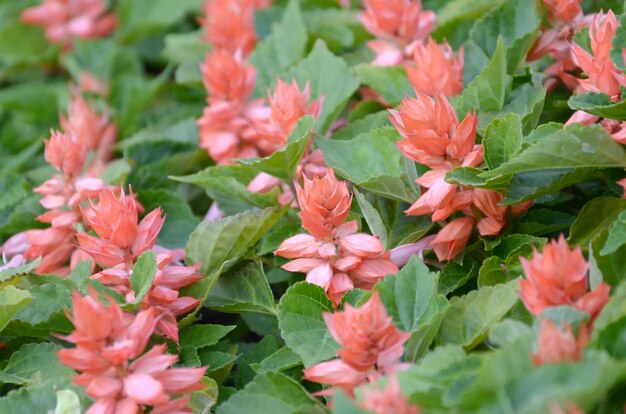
312,206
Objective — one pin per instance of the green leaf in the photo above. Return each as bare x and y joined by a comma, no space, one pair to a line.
31,399
224,241
12,275
391,82
577,146
492,272
598,104
200,336
330,77
362,125
619,43
508,331
228,185
182,47
487,92
471,316
302,327
144,18
272,392
180,220
373,219
454,275
143,275
371,161
595,216
503,140
530,185
411,297
280,360
281,49
67,403
243,290
470,177
543,221
617,235
202,401
283,162
36,363
12,300
518,23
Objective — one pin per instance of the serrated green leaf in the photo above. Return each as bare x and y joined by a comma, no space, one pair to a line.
283,162
143,275
37,363
11,275
471,316
243,290
302,327
577,146
203,335
280,360
503,140
12,300
272,392
530,185
617,235
391,82
329,76
226,240
594,217
598,104
281,49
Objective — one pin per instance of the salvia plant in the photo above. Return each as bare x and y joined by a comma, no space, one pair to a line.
312,206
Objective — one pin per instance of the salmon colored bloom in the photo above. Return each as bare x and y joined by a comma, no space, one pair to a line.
289,104
66,153
226,77
398,25
570,408
452,238
555,345
563,10
334,256
371,347
95,130
622,183
64,20
436,69
88,82
432,134
229,24
163,296
388,401
114,219
603,76
324,202
558,276
108,352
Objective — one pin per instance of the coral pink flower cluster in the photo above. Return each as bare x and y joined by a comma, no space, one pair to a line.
333,255
433,136
108,355
85,132
558,277
65,20
566,18
602,74
371,347
398,25
120,240
233,125
388,401
436,69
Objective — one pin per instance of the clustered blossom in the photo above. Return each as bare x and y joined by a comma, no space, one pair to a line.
602,74
436,69
555,345
333,255
120,240
371,348
108,355
558,276
433,136
388,401
399,25
65,20
566,18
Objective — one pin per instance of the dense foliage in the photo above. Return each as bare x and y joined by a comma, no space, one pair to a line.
312,206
